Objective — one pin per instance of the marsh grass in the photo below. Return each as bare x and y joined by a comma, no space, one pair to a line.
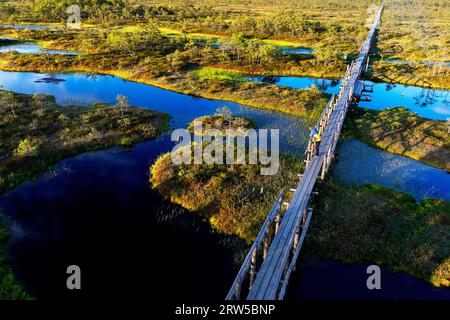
400,131
37,135
383,226
235,199
208,73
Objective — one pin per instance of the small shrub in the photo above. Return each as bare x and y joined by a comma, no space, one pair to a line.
25,148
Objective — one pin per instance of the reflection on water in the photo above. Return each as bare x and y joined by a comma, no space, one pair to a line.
428,103
360,164
292,50
31,48
26,26
81,89
326,85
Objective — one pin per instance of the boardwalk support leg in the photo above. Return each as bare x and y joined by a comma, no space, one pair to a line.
277,222
266,243
253,268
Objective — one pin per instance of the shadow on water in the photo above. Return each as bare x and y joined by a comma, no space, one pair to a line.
327,280
428,103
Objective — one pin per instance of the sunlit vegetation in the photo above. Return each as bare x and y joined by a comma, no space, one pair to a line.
10,288
415,74
207,73
415,30
383,226
36,132
251,35
400,131
234,198
415,33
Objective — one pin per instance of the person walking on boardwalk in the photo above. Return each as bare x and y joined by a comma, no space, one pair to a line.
315,137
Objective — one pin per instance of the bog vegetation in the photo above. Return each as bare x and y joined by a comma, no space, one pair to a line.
400,131
36,132
10,288
383,226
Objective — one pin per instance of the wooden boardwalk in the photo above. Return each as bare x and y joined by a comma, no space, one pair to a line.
282,234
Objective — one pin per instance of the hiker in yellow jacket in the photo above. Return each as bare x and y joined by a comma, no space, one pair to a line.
315,137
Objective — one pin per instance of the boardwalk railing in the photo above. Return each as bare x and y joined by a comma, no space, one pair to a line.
268,230
280,245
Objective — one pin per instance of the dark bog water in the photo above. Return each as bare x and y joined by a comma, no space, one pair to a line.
97,211
331,280
360,164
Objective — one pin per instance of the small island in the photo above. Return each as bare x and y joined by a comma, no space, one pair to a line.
36,132
234,198
223,120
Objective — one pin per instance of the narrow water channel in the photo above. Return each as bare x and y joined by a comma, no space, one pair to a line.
427,103
30,47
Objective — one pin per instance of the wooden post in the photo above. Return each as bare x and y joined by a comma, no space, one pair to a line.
266,243
253,268
296,238
324,168
308,211
286,268
367,65
308,151
237,294
277,222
